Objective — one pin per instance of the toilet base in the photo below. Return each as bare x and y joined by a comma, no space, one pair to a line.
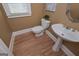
39,34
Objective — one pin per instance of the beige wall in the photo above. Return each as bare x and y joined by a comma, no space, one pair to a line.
27,22
75,7
5,31
37,12
59,16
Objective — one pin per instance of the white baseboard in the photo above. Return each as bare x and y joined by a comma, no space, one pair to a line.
64,48
14,34
11,45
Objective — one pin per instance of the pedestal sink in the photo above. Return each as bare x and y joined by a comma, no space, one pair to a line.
64,33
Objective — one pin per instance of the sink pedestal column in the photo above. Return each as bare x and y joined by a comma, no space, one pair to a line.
56,47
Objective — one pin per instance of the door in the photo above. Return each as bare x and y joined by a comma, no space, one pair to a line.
3,49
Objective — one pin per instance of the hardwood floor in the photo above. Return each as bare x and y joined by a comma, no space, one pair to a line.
29,45
73,46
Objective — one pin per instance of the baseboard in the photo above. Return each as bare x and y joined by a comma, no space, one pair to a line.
11,44
64,48
14,34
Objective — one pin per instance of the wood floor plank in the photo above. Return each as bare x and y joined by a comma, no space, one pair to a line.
29,45
73,46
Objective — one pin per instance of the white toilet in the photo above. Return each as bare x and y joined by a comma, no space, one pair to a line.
39,30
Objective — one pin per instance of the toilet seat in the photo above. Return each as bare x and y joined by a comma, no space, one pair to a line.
37,29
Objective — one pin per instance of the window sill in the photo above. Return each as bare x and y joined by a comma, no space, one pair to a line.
18,16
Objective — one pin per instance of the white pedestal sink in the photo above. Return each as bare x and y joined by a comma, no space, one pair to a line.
64,33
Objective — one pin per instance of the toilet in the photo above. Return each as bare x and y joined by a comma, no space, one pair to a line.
39,30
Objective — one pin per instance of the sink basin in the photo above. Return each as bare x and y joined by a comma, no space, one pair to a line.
66,34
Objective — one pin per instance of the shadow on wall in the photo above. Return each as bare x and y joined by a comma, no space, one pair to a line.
5,31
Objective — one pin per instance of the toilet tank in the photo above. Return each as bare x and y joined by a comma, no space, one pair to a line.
45,23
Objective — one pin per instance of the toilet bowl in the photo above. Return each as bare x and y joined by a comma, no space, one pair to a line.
39,30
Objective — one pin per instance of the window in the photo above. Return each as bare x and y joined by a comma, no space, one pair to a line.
17,9
51,6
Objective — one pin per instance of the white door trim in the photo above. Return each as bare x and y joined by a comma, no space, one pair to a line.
3,48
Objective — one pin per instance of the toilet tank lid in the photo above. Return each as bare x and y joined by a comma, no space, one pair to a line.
47,21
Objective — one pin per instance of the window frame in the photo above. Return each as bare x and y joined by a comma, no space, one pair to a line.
14,15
